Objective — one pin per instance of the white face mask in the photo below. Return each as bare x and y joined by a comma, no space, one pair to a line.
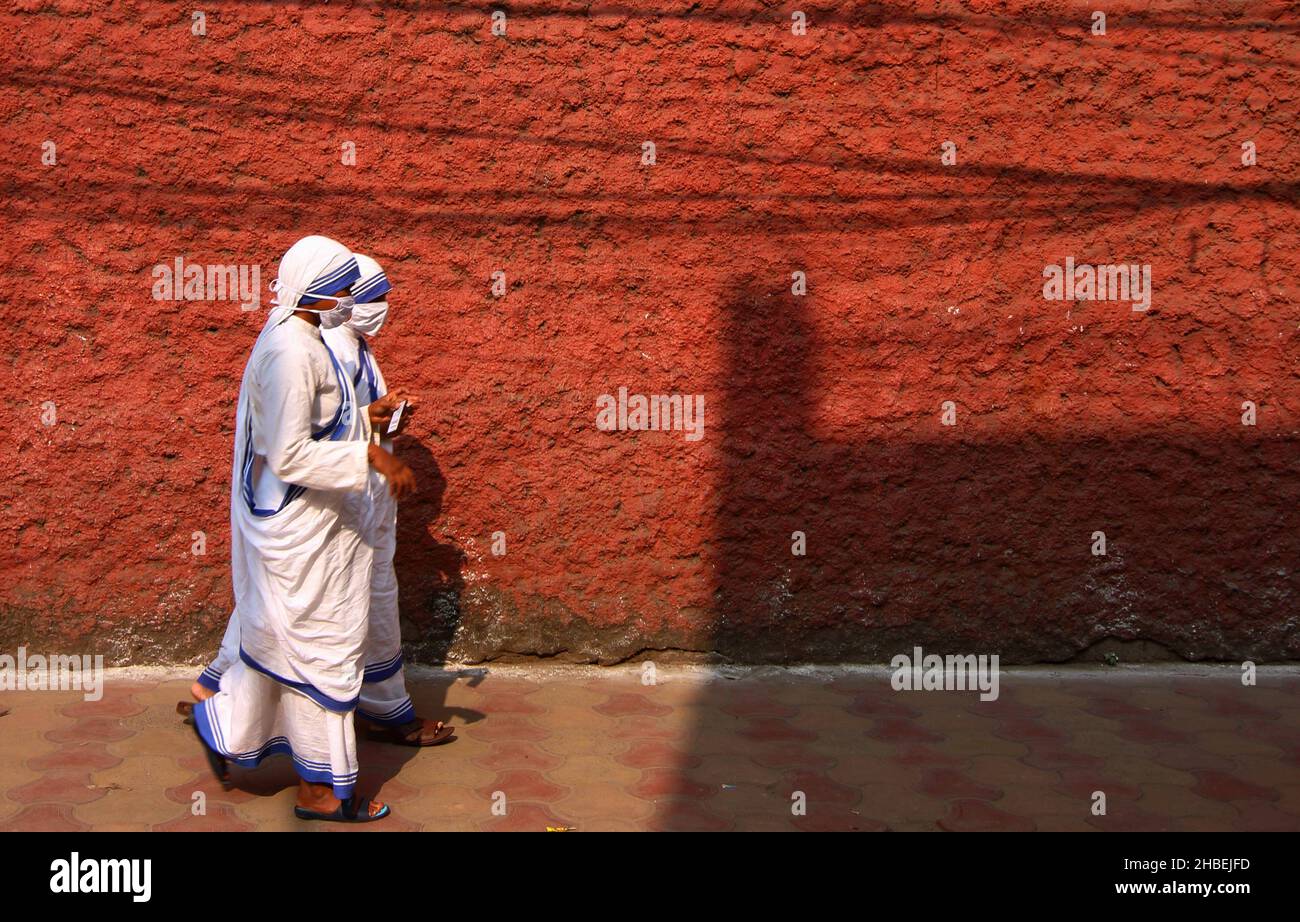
334,316
368,318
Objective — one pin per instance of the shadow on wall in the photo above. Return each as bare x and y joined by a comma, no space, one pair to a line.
428,571
965,545
956,545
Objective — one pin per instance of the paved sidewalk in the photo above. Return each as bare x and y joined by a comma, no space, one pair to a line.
1176,747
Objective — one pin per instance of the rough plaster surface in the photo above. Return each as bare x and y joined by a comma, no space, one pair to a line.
775,153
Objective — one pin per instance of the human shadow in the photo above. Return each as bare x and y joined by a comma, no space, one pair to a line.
429,571
431,585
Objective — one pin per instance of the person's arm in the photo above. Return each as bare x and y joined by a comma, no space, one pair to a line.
287,390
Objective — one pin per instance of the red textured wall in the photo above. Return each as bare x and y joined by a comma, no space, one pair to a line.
775,153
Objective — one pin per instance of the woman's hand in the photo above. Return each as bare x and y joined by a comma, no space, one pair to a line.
401,482
381,411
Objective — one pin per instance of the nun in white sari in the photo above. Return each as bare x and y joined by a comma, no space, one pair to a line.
385,708
300,568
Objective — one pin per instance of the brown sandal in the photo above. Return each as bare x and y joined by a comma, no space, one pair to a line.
411,734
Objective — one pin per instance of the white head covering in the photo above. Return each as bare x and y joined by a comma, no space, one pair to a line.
372,283
312,267
370,311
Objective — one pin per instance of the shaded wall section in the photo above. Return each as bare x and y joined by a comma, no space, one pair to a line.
775,154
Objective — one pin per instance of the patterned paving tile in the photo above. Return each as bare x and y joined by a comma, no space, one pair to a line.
683,816
1034,800
1010,773
656,783
507,727
654,754
90,730
57,787
446,806
775,730
1175,800
219,818
676,726
527,817
900,808
127,807
980,816
499,704
580,695
817,787
903,730
272,813
785,755
115,705
75,757
43,818
1137,766
1083,783
15,767
526,784
448,765
834,730
668,691
880,768
1231,742
763,822
753,702
1186,757
1188,748
1129,818
1225,786
141,774
608,803
1262,817
1066,823
577,770
837,820
1055,757
948,784
31,711
511,754
740,768
580,741
630,704
979,741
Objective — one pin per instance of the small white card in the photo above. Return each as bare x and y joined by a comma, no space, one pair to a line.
397,418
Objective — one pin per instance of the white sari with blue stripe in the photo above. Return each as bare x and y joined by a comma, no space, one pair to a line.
384,698
300,568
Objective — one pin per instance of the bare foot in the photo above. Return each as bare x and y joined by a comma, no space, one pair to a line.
201,692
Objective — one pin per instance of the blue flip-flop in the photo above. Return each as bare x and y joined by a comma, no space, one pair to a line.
353,810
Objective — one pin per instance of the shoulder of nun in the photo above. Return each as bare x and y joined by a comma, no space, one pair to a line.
287,345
